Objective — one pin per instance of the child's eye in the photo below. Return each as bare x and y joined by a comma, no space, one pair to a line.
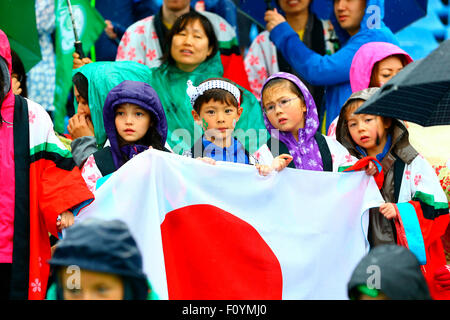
229,111
139,114
284,102
119,113
74,291
210,112
270,107
102,289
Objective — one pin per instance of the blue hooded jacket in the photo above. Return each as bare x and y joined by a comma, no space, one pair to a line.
333,71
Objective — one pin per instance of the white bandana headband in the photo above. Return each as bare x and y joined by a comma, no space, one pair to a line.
195,92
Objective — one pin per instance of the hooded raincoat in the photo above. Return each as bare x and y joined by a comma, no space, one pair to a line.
408,178
430,142
312,151
398,274
39,181
171,83
106,247
102,77
332,71
362,65
111,158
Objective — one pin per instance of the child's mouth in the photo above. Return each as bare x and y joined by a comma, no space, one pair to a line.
282,120
364,139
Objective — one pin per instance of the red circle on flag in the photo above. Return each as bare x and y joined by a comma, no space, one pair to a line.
212,254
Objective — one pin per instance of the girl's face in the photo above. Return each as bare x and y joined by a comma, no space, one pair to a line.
132,122
91,285
386,69
218,119
367,129
284,109
190,47
83,107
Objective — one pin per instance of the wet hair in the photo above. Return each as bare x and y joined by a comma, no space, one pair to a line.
217,94
19,69
284,82
82,84
180,24
376,66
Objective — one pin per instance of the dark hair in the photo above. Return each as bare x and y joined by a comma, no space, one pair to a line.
19,69
376,66
282,81
180,24
217,94
151,138
82,84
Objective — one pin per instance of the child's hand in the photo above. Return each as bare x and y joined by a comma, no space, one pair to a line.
264,169
281,162
388,210
207,160
66,221
371,169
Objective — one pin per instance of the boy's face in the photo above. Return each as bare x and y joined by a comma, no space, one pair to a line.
349,14
132,122
90,285
218,119
284,109
365,128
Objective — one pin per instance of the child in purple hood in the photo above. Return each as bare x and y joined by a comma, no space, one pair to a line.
134,121
291,117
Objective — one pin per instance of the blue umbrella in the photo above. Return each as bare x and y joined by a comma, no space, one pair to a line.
397,14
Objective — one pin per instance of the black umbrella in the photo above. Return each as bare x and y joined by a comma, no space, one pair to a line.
420,93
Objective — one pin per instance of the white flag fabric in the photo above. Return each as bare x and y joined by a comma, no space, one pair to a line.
225,232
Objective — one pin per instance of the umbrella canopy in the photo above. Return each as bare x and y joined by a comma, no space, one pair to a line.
397,13
18,21
420,93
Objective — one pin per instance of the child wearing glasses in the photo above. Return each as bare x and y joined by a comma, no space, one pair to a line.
290,115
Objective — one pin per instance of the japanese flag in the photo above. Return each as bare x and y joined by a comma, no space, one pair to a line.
225,232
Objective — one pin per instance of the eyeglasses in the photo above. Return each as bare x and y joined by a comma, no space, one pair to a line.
283,104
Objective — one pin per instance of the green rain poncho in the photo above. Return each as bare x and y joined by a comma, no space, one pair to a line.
102,77
170,83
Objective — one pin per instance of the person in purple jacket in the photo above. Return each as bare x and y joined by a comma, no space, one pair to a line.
134,121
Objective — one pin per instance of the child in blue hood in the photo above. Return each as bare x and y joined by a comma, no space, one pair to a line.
134,121
356,22
98,260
